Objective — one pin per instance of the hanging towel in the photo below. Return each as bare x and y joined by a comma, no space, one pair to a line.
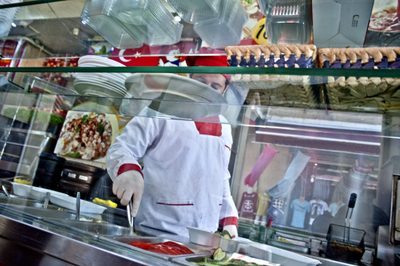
293,172
262,162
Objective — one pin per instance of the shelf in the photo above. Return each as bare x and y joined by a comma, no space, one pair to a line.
316,72
32,132
56,30
28,3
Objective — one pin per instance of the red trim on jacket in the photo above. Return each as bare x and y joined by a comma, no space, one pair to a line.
129,167
206,128
228,147
187,204
229,221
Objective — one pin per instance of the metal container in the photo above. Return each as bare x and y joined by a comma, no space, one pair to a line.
263,252
94,227
205,238
345,243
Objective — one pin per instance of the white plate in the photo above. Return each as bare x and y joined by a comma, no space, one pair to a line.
32,192
21,189
98,60
96,90
70,203
105,84
101,77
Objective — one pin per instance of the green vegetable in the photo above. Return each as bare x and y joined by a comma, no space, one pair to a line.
73,154
85,118
76,129
226,234
9,112
43,117
219,255
100,129
56,120
49,118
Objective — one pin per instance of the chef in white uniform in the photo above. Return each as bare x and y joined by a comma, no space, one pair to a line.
185,179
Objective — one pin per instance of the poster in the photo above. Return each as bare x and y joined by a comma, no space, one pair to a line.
384,25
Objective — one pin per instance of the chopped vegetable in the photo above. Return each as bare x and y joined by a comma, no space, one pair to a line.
73,154
100,129
56,120
226,234
219,255
85,119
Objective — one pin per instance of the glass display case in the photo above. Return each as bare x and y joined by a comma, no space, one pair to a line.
313,147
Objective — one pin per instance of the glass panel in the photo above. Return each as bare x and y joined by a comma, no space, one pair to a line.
295,156
62,29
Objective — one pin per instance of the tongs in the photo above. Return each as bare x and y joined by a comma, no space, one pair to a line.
352,203
131,219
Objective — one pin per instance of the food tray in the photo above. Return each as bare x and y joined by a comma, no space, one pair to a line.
263,252
277,255
377,95
32,192
198,250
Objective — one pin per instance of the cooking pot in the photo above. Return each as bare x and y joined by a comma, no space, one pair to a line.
48,173
78,177
81,173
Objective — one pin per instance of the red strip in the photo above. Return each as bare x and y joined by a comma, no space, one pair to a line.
187,204
229,221
129,167
228,147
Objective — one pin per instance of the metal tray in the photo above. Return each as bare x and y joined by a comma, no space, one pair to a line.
204,238
198,250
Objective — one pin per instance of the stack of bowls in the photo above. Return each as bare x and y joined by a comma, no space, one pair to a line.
226,27
7,16
96,14
195,11
129,24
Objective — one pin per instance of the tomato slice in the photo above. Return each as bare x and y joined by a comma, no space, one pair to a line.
158,248
180,247
140,244
168,248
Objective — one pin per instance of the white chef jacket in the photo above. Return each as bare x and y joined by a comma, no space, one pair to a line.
185,173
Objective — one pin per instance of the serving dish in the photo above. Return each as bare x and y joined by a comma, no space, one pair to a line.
68,202
197,250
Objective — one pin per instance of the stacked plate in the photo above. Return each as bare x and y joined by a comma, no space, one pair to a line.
100,84
7,16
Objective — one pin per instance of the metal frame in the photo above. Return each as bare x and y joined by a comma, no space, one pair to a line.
63,247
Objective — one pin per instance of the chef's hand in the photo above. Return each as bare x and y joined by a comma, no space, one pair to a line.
232,230
129,185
